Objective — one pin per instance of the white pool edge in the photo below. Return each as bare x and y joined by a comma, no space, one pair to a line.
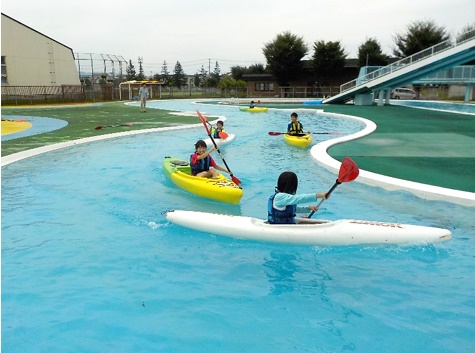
424,191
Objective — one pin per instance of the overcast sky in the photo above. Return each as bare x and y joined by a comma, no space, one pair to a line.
199,32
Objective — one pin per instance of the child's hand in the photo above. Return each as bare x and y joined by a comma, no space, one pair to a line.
312,208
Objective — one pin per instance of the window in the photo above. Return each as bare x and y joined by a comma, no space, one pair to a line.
4,71
262,86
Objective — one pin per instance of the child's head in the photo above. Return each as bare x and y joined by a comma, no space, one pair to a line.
294,117
288,183
200,143
220,124
252,102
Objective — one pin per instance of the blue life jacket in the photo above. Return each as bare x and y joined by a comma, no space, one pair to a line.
275,216
201,166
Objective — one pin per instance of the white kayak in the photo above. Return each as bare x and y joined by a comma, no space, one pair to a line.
309,231
219,142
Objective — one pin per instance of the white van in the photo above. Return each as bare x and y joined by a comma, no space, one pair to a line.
403,93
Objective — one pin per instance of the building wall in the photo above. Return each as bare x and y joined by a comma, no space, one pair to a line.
33,59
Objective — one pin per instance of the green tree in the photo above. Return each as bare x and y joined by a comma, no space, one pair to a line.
165,75
131,74
215,76
370,54
419,35
329,59
140,75
237,72
256,69
179,77
466,32
284,56
203,77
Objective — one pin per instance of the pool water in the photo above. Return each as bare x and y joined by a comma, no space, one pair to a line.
90,264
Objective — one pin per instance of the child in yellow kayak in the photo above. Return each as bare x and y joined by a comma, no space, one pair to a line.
202,164
294,127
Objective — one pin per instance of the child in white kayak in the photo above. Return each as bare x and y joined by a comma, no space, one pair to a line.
218,132
202,164
282,206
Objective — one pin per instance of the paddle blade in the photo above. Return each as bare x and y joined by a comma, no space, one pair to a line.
275,133
223,135
99,127
349,171
236,180
204,121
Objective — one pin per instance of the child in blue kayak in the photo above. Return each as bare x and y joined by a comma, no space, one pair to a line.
282,206
202,164
294,127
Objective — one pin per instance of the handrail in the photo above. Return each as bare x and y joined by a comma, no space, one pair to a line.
423,54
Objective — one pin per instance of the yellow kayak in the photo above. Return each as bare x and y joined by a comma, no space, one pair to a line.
220,189
302,141
254,110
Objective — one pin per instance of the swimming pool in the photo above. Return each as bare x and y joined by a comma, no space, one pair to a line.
89,264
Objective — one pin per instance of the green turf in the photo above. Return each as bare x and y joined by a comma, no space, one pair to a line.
82,121
425,146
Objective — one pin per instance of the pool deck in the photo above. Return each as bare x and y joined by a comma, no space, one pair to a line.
429,153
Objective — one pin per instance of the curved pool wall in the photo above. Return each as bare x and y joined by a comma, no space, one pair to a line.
424,191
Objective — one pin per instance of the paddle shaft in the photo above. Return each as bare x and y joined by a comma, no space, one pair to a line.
327,195
204,121
302,134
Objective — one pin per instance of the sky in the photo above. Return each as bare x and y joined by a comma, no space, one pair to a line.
232,33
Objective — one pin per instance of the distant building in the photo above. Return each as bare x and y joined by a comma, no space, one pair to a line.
30,58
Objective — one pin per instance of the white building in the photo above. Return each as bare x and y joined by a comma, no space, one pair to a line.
30,58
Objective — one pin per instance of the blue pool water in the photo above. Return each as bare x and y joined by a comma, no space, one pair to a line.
89,263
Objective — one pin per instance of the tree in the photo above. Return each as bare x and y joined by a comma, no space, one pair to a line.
165,75
465,33
179,77
256,69
419,35
284,56
203,77
237,72
370,54
140,76
215,76
329,59
131,74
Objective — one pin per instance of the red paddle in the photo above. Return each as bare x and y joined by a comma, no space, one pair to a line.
272,133
349,171
103,127
204,121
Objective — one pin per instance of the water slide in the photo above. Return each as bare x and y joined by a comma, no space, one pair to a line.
440,57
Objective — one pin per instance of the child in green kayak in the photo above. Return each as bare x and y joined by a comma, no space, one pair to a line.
282,206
